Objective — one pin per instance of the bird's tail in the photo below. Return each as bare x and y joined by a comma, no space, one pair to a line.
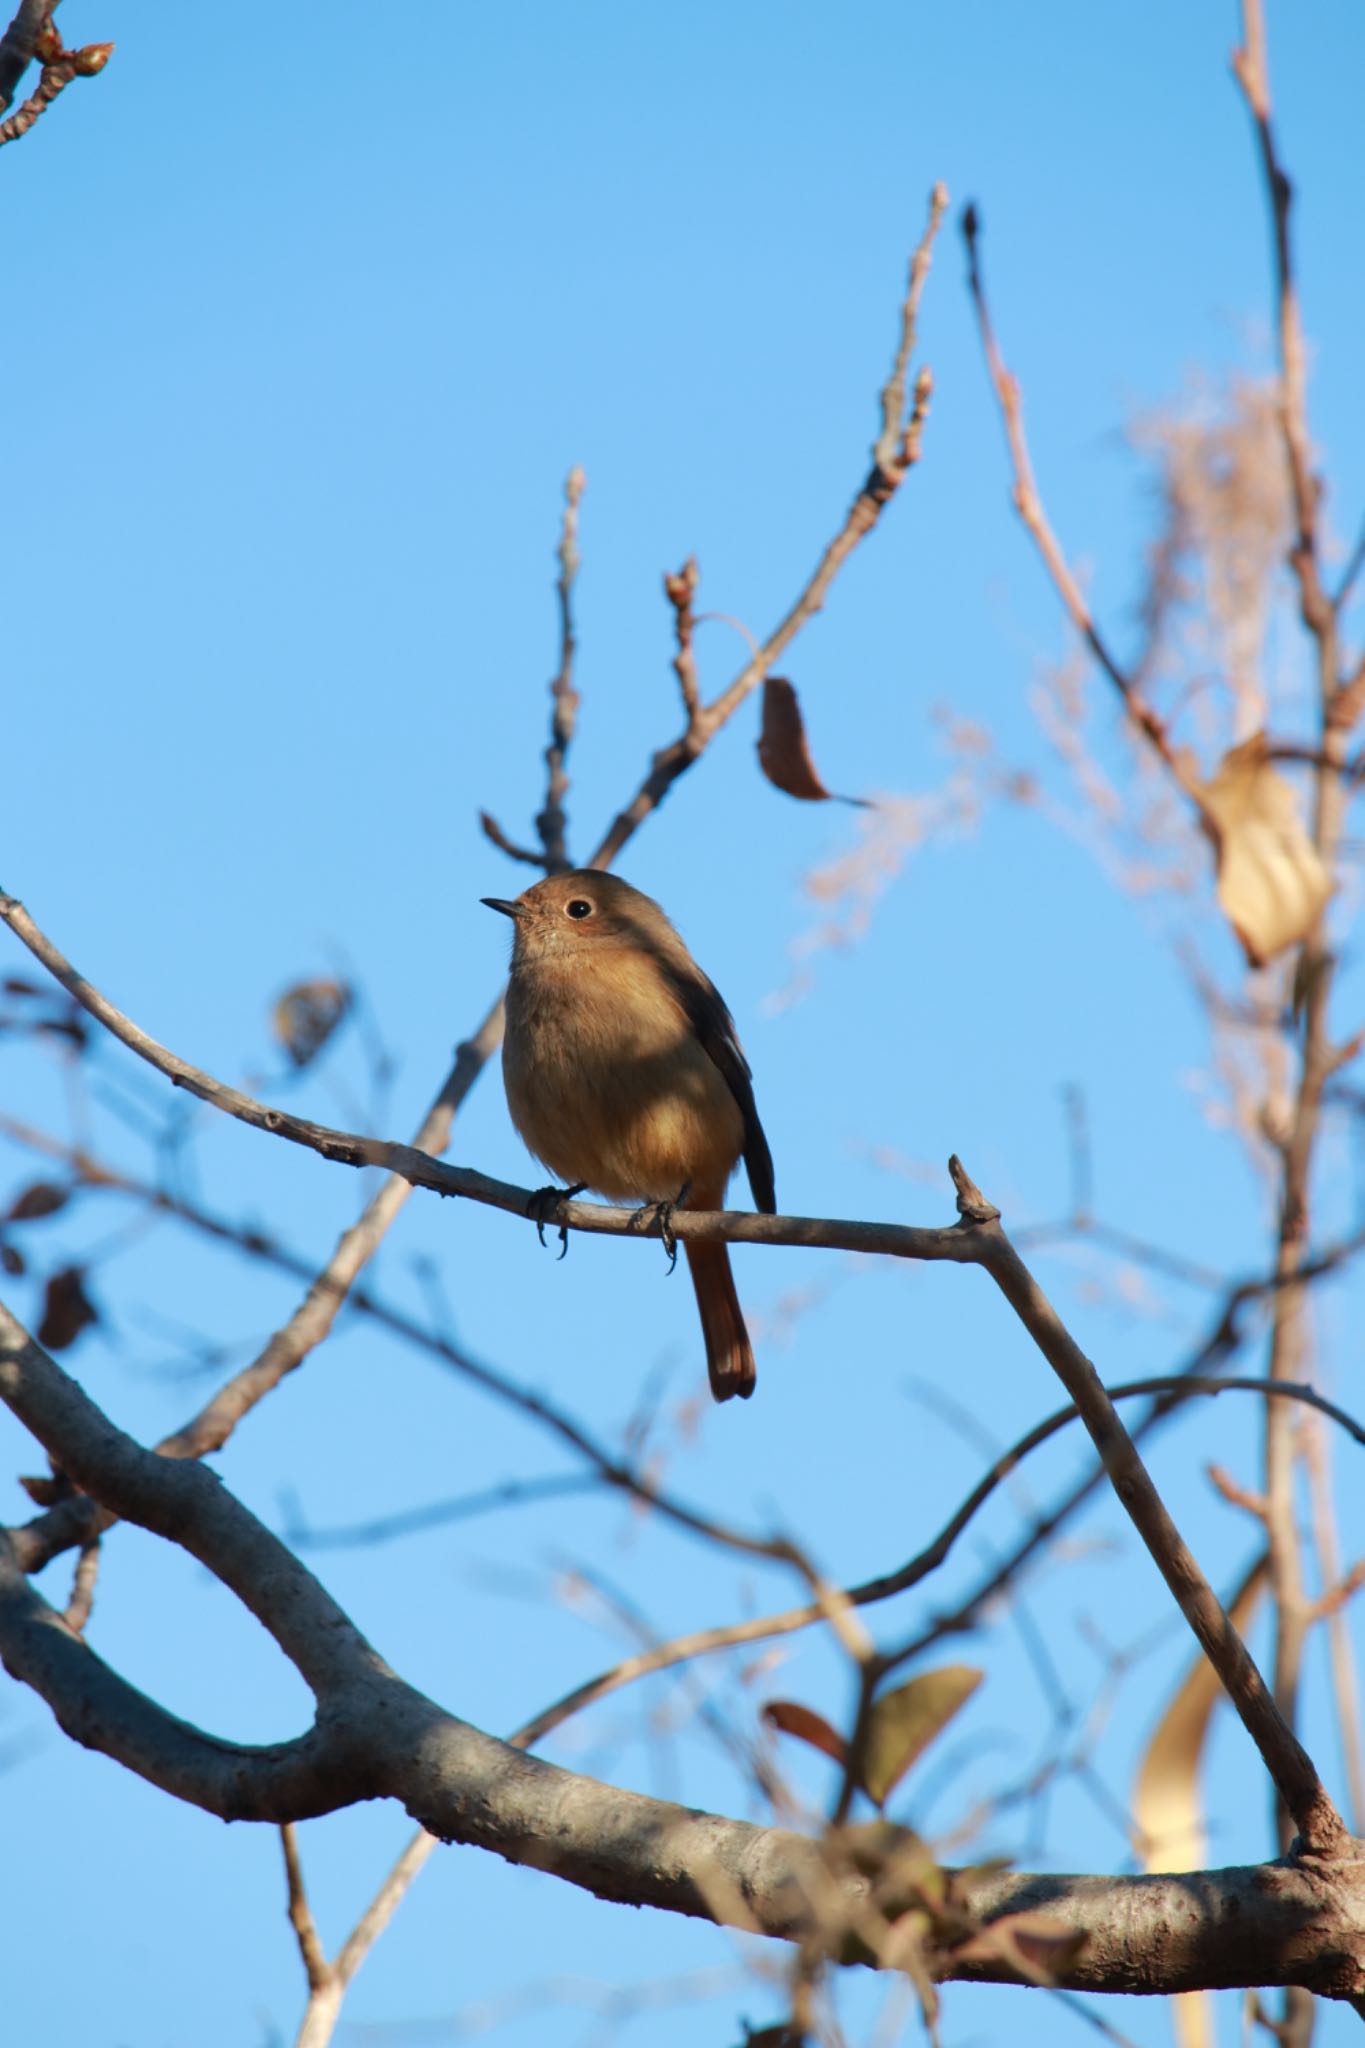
729,1354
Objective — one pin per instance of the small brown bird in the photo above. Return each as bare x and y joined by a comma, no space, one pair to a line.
624,1074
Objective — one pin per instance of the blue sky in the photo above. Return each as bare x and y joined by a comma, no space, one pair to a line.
305,329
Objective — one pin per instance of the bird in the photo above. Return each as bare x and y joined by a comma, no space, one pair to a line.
624,1074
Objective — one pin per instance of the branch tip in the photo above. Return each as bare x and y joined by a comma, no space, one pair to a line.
972,1205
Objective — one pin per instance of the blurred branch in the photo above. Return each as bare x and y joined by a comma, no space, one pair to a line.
82,1598
1337,710
328,1982
1319,614
766,1627
1345,1686
301,1919
1029,506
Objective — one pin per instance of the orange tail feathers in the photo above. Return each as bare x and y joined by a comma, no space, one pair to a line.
729,1354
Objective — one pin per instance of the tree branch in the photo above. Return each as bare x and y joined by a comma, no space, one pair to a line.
1292,1922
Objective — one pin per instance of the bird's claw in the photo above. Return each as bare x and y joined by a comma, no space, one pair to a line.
662,1214
543,1205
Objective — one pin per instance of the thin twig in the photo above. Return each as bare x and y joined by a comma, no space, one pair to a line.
1252,73
315,1963
764,1628
680,590
889,452
83,1586
383,1905
493,831
552,823
876,492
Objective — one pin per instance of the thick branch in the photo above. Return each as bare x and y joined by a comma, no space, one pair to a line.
1285,1923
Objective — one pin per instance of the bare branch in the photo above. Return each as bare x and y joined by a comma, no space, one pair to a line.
315,1963
493,831
552,824
877,490
890,451
680,590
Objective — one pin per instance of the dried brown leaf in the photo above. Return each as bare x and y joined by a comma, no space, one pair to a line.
783,750
67,1309
808,1726
904,1722
1271,881
12,1259
39,1198
307,1014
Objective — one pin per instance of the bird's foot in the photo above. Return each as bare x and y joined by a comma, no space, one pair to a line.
662,1213
544,1205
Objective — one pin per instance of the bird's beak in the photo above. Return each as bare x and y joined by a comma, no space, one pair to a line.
501,903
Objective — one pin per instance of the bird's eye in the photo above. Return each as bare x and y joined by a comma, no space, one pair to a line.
580,907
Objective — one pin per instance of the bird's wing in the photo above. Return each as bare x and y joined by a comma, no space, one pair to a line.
715,1028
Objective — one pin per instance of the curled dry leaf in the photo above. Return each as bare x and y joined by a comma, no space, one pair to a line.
12,1260
307,1014
808,1726
67,1309
39,1198
1271,882
783,750
905,1722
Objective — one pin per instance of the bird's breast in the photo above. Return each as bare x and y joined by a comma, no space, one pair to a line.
609,1085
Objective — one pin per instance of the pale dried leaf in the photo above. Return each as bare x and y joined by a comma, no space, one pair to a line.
1271,882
